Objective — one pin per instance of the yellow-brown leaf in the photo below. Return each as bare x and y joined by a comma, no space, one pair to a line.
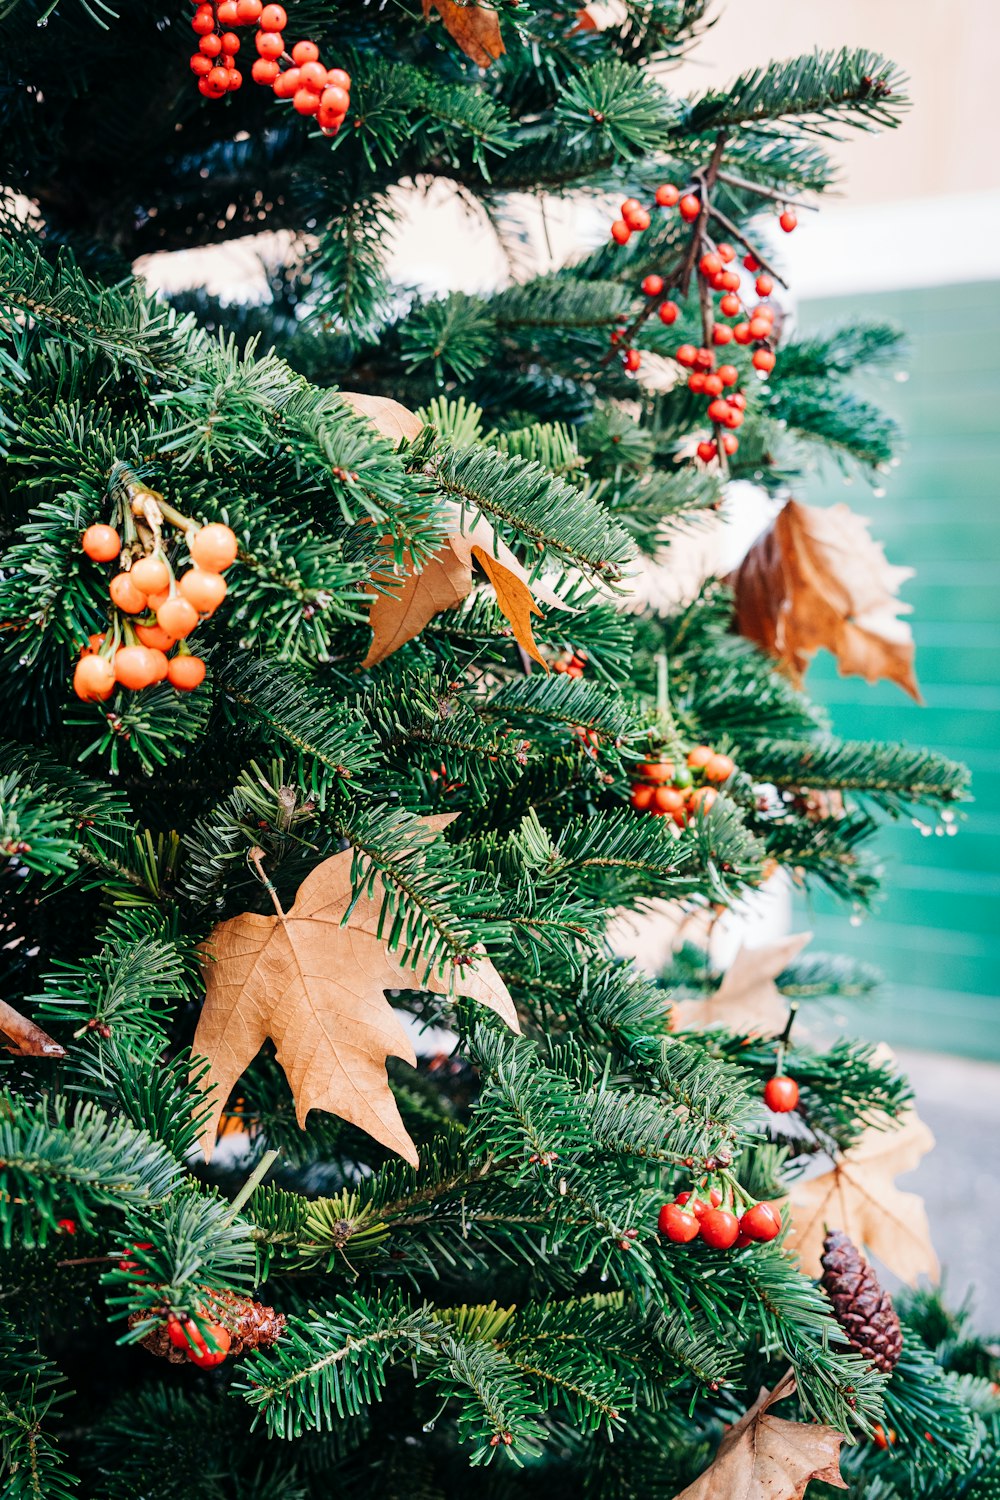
514,599
859,1196
476,29
409,603
762,1457
313,980
747,1000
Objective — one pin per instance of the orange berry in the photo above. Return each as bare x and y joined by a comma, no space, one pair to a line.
177,617
668,799
642,796
186,672
205,591
150,574
94,644
700,756
657,770
152,635
93,679
155,600
213,548
135,666
703,797
102,543
763,359
719,768
125,594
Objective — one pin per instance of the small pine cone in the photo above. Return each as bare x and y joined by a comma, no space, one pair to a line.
862,1308
251,1325
157,1340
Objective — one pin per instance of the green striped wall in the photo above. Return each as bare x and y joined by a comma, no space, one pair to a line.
937,934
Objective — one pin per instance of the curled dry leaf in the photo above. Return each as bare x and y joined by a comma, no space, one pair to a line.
858,1195
408,600
476,29
763,1457
313,980
23,1038
748,1000
816,579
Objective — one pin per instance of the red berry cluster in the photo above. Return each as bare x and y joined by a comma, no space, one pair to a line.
572,663
133,653
755,324
188,1336
666,790
689,1218
312,88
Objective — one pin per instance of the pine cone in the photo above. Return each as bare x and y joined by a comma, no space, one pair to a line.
251,1325
862,1308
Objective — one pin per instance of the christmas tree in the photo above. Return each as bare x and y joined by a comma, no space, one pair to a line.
331,747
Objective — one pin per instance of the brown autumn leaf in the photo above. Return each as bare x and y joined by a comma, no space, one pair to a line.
514,601
816,579
476,29
313,979
762,1457
859,1196
23,1038
393,420
748,1000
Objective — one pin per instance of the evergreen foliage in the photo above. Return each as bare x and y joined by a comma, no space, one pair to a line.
508,1303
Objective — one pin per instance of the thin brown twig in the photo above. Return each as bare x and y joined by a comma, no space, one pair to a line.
732,179
731,229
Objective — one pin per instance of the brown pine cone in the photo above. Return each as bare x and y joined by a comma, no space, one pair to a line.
862,1308
251,1325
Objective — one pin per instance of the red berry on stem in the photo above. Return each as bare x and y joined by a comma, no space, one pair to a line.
336,101
763,359
218,78
270,43
248,11
726,251
720,767
722,334
312,75
102,543
338,79
265,70
765,286
203,21
639,220
305,52
667,799
728,374
781,1094
185,672
729,443
703,797
787,220
230,43
751,263
668,312
273,18
228,13
686,355
737,399
730,280
741,333
719,1228
200,64
632,359
704,359
706,452
761,1223
729,305
306,102
620,232
677,1224
652,285
210,45
286,83
760,327
718,411
642,796
690,207
667,195
696,383
712,385
710,264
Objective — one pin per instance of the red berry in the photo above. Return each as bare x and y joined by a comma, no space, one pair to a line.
677,1224
720,767
629,207
102,543
712,385
230,43
652,285
667,799
265,70
203,21
760,1223
336,101
686,355
703,797
733,417
729,305
642,796
620,232
66,1226
228,13
658,771
726,252
884,1439
690,207
728,374
286,83
718,411
729,443
710,264
704,359
210,45
632,359
200,64
273,18
218,78
696,383
248,11
312,75
667,195
760,327
668,312
730,281
750,263
787,220
338,79
306,102
715,1197
706,452
305,52
781,1094
741,333
722,334
638,220
719,1228
270,43
765,286
763,359
737,399
213,547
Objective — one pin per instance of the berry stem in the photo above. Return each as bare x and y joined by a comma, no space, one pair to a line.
737,234
732,179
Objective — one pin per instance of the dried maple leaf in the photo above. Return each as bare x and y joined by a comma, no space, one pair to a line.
476,29
23,1038
766,1458
748,1000
313,979
816,578
393,420
858,1195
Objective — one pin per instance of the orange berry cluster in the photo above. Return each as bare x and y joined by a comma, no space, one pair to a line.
188,1336
664,790
572,663
155,612
312,88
